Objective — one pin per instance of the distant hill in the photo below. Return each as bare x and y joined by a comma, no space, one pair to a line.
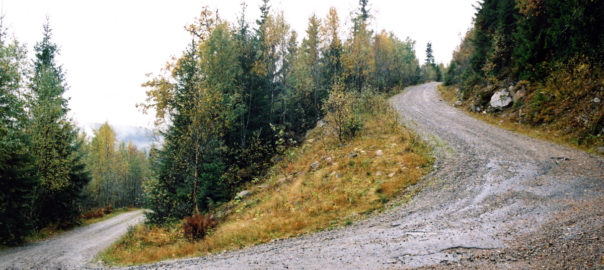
140,136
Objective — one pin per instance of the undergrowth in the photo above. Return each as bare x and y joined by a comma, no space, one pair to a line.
323,184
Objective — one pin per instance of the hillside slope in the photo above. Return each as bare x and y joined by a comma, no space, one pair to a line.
495,199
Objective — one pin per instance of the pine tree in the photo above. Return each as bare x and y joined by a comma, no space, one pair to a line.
56,147
429,56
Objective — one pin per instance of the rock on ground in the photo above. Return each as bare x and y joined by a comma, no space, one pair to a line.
500,99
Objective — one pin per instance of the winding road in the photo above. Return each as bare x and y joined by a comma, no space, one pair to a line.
490,190
73,249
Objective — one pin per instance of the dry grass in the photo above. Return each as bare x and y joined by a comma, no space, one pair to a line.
296,199
507,120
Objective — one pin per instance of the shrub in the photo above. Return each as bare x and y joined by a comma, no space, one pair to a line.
98,212
197,226
341,114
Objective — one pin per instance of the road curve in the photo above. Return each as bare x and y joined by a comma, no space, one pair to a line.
71,250
489,188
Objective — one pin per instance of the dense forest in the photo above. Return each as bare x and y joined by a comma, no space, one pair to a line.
241,93
547,53
50,174
238,96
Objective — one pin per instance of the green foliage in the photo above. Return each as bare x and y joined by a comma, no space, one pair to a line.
58,157
17,179
117,171
342,116
554,48
239,96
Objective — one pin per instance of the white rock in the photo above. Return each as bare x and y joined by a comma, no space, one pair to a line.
596,100
314,165
379,153
391,174
242,194
500,99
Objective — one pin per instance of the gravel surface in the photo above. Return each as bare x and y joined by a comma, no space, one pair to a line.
495,199
70,250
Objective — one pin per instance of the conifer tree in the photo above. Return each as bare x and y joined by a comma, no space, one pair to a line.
17,179
55,145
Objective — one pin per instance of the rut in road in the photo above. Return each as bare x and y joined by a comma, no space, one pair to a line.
489,187
70,250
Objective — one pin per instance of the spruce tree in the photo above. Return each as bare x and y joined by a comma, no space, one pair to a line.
17,180
55,144
429,56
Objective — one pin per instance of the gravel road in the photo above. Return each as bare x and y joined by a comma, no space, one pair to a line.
70,250
495,199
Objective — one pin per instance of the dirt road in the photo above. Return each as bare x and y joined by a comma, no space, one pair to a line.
70,250
495,199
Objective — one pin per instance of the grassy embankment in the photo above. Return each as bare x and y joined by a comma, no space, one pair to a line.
561,130
352,180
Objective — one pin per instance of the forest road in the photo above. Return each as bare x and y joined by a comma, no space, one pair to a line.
490,190
74,249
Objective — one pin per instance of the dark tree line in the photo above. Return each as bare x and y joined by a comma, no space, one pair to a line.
514,40
547,53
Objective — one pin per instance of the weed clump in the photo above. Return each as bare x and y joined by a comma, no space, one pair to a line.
196,226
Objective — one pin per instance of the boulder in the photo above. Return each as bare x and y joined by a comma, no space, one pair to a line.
458,103
500,99
314,165
242,194
596,100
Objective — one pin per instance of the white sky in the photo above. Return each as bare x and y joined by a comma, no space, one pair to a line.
108,46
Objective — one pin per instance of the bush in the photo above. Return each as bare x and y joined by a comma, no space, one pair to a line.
98,212
197,226
341,114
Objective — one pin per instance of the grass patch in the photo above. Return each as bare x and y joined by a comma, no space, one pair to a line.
352,180
508,119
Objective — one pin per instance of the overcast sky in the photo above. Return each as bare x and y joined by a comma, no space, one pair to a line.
108,46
